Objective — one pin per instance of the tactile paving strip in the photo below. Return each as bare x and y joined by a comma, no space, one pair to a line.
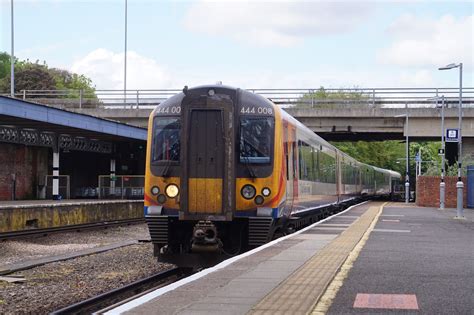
299,293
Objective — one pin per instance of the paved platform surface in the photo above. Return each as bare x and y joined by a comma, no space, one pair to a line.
402,259
413,252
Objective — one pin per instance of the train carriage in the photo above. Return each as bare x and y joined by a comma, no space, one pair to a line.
228,170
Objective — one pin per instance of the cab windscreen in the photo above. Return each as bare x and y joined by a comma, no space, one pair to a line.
256,134
166,139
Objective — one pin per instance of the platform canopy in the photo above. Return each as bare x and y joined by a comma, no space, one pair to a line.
41,125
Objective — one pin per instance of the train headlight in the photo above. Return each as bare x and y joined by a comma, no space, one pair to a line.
161,198
172,190
248,191
155,190
266,192
259,200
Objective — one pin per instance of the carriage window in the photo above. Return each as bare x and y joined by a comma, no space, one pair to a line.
256,134
166,139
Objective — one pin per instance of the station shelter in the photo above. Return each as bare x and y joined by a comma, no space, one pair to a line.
51,153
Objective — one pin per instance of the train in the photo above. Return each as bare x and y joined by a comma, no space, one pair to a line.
228,170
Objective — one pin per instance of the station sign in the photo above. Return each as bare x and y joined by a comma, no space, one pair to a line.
452,135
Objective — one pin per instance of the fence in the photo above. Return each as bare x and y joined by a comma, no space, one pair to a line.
64,186
121,187
146,99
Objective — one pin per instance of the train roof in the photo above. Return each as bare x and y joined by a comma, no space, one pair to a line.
245,96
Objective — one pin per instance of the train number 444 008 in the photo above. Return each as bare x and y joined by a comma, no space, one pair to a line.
256,110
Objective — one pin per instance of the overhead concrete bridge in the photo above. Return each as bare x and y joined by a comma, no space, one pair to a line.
335,114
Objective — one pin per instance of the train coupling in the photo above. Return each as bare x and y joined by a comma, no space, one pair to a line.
205,237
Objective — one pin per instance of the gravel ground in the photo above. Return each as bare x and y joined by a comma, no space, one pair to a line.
67,242
56,285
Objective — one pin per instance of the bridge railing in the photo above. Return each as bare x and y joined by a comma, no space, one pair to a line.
305,98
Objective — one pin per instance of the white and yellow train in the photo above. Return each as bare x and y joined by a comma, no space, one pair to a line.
228,170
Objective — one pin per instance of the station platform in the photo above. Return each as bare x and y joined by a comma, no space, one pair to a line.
372,258
21,215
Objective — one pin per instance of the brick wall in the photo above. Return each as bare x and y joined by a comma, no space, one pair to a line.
27,163
427,191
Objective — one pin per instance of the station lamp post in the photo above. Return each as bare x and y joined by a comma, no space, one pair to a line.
407,176
459,184
442,185
12,58
125,58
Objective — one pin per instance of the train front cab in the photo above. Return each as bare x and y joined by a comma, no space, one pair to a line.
211,185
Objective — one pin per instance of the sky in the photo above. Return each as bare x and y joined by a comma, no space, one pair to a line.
248,44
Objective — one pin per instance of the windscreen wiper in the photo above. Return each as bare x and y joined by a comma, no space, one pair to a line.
168,164
249,168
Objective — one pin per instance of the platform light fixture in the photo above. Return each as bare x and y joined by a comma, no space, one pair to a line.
459,184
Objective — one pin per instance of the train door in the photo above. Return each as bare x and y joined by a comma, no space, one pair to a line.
291,166
288,160
206,159
340,185
207,172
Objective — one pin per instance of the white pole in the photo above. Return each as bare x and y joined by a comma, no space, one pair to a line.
419,161
407,176
56,174
12,58
112,177
442,185
460,184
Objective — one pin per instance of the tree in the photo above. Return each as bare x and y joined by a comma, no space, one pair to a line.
65,80
5,63
384,154
36,76
30,77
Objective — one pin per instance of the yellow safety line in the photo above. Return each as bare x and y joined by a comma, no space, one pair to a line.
329,295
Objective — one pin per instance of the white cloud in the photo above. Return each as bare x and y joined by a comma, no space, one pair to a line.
276,23
106,69
327,76
430,42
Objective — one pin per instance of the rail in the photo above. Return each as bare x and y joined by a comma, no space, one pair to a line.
312,97
75,227
105,299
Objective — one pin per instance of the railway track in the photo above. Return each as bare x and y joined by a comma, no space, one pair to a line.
77,227
116,297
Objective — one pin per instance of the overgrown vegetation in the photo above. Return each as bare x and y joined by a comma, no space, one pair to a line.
323,98
384,154
391,155
36,76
